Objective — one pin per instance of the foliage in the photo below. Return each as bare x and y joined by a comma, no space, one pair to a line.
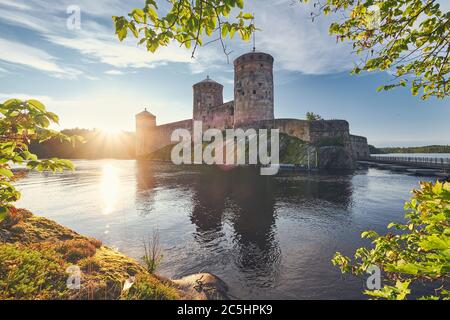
311,116
33,265
96,145
27,273
20,123
408,37
186,22
419,250
425,149
375,150
152,253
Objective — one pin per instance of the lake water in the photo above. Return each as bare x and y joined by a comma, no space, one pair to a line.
266,237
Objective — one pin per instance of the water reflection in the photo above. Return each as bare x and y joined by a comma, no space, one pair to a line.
244,200
267,237
109,188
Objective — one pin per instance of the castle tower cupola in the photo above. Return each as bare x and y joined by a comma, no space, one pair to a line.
207,94
145,120
253,88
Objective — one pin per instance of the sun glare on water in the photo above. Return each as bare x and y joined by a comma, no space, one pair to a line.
109,188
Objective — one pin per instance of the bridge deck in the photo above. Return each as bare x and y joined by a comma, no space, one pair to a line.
416,162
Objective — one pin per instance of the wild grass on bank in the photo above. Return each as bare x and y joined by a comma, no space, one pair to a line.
152,253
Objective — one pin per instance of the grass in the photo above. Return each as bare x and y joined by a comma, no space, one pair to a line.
27,273
147,287
152,253
35,253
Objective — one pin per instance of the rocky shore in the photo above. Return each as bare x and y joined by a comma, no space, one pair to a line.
38,257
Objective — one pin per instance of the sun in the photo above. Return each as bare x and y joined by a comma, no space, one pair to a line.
110,131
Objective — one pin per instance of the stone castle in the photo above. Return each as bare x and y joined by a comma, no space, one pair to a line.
253,107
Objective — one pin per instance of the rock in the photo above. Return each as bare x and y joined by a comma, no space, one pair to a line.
335,157
203,286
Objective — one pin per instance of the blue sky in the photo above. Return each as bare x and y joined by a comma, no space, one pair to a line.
93,81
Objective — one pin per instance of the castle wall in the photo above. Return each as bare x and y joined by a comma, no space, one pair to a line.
360,147
319,133
323,132
153,139
220,117
330,133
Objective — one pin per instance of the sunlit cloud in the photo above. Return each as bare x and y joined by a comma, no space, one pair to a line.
18,53
114,72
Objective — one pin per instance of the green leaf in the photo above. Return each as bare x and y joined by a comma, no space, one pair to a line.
6,173
37,105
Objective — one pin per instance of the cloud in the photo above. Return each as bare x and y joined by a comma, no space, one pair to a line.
108,50
18,53
297,43
14,4
24,96
96,39
114,72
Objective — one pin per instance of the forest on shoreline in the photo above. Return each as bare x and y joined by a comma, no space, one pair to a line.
101,145
96,144
424,149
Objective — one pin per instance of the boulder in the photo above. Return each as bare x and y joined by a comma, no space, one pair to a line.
203,286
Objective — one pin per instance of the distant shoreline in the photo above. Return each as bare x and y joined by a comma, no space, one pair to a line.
432,149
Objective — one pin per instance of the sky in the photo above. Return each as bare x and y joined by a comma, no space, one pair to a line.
91,80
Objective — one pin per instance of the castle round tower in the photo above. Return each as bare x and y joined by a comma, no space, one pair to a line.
253,88
207,94
145,122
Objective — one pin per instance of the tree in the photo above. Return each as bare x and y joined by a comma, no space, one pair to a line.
311,116
187,22
410,38
418,251
20,123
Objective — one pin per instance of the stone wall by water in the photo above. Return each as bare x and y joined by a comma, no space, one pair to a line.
319,133
360,147
153,139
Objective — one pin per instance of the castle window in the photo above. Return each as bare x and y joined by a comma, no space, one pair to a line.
254,91
261,65
260,84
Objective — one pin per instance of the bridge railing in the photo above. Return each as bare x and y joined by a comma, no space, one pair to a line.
432,161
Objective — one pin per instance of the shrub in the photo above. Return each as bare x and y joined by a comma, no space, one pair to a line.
14,216
76,249
418,251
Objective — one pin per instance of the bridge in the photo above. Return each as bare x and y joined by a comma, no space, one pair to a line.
422,166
